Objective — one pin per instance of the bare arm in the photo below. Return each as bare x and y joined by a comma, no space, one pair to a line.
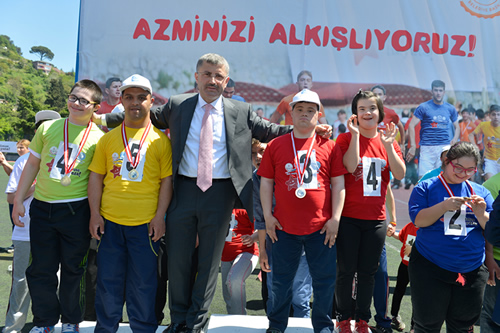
11,196
428,216
6,165
391,205
275,117
396,164
157,224
331,226
351,156
94,190
263,259
457,133
411,135
401,133
27,177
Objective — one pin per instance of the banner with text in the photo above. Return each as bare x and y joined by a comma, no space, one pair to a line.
269,42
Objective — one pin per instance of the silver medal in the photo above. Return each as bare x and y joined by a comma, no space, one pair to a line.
300,192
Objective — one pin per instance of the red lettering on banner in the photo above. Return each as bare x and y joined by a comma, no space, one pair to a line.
278,33
339,37
236,35
159,35
251,32
213,31
142,29
382,37
197,28
435,44
368,41
312,33
353,44
326,36
341,40
421,40
223,33
396,40
457,48
181,31
293,39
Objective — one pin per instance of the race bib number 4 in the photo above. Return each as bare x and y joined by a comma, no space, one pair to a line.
57,170
372,176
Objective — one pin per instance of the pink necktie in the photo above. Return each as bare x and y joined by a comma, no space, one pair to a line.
204,180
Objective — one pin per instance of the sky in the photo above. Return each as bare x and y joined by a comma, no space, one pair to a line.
50,23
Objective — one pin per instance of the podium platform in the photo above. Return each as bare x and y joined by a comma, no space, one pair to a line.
223,324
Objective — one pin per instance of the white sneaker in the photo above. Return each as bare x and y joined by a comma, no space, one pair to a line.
70,328
46,329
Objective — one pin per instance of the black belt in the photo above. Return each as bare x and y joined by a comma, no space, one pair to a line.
193,179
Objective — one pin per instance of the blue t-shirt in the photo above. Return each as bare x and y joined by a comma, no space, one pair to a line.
459,254
435,120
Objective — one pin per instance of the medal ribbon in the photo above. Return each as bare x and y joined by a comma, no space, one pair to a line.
69,168
137,158
300,173
441,178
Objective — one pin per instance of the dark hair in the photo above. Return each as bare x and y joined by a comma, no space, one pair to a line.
378,86
341,111
437,84
213,59
92,87
462,149
494,107
304,72
231,84
480,114
342,128
110,81
367,95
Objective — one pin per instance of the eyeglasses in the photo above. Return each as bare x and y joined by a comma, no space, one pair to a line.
459,169
82,101
217,77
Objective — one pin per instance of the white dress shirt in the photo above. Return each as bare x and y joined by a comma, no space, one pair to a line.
189,162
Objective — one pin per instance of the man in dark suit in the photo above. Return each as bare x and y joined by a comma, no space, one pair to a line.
205,213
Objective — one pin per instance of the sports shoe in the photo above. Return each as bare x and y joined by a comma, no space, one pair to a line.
398,324
382,329
38,329
273,330
70,328
343,326
362,327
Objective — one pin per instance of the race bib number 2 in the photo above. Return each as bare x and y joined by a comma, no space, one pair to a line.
372,176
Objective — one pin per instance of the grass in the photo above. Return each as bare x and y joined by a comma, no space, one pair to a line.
253,285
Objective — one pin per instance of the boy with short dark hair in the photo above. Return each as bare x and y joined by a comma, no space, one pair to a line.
61,152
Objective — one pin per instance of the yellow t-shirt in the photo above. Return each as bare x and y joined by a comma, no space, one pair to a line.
48,146
125,200
491,140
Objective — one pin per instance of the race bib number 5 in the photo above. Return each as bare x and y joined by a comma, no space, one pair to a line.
372,176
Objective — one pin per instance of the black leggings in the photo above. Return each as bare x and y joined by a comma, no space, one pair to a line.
359,245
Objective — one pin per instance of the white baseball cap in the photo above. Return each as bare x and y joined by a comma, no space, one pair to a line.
137,81
306,95
46,115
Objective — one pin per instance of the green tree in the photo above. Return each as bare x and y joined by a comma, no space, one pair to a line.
56,97
42,52
27,107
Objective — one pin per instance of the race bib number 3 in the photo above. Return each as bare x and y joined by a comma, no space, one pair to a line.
372,176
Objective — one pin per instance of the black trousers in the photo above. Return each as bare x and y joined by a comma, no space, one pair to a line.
359,245
59,237
401,283
191,213
436,296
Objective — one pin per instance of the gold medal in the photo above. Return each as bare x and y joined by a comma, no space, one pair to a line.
65,180
133,174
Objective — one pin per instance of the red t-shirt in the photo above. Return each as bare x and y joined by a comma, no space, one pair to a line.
234,247
389,116
408,230
309,214
366,188
106,108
